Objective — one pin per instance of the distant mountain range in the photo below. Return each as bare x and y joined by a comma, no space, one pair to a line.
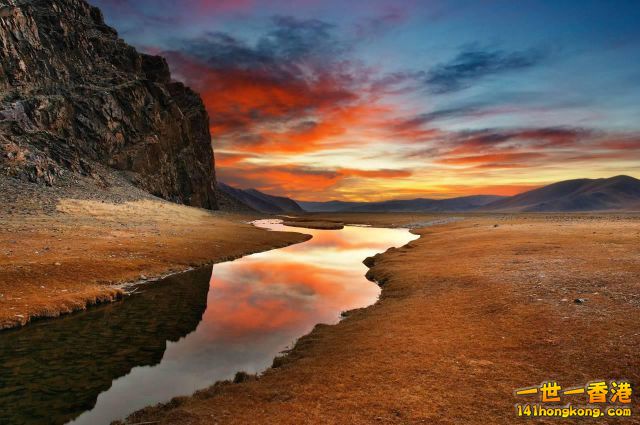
260,201
466,203
620,193
329,206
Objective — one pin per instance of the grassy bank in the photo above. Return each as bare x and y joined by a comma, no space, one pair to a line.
82,254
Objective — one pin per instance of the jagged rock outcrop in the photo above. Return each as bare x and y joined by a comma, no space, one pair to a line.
73,95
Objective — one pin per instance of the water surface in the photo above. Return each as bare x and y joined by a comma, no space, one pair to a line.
185,332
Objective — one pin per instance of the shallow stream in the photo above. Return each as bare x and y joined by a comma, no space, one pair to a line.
184,332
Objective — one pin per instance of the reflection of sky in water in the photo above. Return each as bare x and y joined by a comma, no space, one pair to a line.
256,307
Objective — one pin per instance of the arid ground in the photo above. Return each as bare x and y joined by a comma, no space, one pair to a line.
54,262
471,311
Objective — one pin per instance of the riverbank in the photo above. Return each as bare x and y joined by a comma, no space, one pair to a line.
471,311
85,252
313,224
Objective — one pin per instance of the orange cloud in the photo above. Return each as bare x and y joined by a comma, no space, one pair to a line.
225,159
257,111
297,181
373,174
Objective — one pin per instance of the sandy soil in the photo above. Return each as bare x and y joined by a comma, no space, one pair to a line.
58,262
471,311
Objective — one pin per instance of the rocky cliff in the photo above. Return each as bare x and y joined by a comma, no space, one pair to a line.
75,100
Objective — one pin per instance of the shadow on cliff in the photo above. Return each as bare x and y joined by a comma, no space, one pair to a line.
54,370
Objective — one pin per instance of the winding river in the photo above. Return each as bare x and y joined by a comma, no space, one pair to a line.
185,332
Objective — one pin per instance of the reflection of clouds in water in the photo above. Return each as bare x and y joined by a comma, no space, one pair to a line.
257,306
190,364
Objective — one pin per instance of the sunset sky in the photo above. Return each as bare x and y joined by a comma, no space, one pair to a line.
381,99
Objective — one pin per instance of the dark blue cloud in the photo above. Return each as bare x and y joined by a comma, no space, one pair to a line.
289,45
441,114
474,63
295,39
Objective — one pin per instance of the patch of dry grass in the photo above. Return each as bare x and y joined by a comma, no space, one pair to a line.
55,264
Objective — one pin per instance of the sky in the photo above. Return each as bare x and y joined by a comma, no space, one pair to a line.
397,99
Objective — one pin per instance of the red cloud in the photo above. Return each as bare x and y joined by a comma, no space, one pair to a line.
256,111
298,182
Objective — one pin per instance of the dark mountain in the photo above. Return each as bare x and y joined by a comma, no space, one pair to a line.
78,103
620,193
466,203
329,206
260,201
615,193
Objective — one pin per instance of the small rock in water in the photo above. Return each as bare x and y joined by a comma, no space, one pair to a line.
580,300
58,264
143,277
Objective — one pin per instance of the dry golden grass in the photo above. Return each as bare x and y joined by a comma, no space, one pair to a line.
469,312
53,264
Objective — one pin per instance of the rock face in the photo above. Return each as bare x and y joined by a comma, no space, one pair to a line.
77,100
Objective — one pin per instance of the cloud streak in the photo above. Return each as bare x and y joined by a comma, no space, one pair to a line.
473,64
528,148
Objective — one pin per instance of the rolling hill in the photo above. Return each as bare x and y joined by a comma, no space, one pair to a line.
329,206
466,203
620,193
260,201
